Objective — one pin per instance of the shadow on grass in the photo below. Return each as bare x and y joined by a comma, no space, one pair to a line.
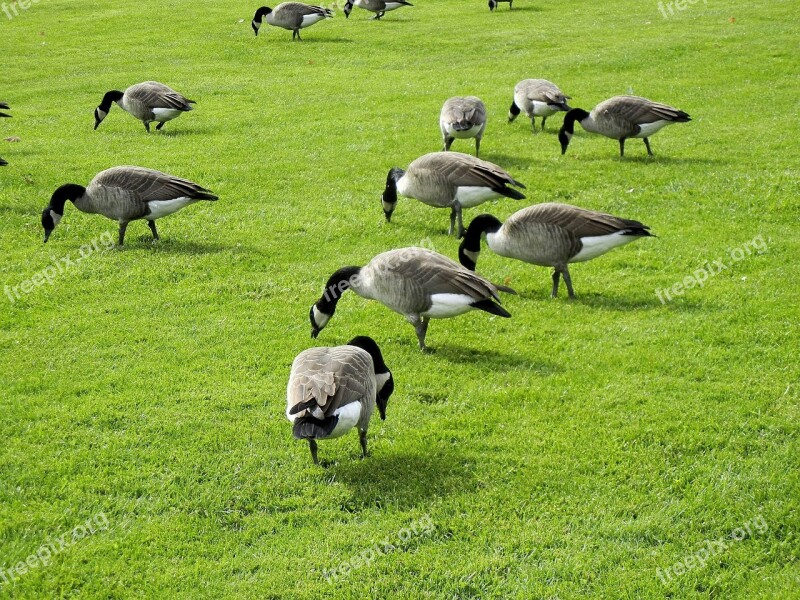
401,480
499,360
510,162
172,246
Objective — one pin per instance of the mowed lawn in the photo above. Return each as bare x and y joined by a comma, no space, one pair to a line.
615,446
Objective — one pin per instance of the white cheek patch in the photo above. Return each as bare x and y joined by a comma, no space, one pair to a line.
101,114
473,256
56,217
388,206
320,318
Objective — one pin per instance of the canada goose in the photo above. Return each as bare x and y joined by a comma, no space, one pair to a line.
493,4
417,283
449,179
537,98
550,235
379,7
293,16
620,118
332,390
125,194
149,102
462,117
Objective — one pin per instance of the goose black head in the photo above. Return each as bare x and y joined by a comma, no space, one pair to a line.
383,376
513,111
568,128
105,106
470,247
52,214
259,17
389,196
348,8
338,284
492,4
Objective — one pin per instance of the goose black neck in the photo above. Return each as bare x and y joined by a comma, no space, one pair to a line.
261,13
390,193
68,191
514,110
112,96
576,114
480,224
371,347
338,284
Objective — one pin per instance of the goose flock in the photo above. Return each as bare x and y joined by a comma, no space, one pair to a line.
334,389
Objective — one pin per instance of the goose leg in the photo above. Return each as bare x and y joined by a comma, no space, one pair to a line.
147,126
556,279
312,445
543,118
421,327
455,215
122,227
448,141
362,437
160,125
568,281
297,32
647,145
477,147
377,16
622,146
533,124
152,225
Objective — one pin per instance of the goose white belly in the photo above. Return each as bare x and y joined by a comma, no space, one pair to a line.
463,134
309,20
163,115
598,245
648,129
162,208
349,415
392,6
542,109
448,305
469,196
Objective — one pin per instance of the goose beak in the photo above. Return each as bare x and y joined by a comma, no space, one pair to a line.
47,236
314,333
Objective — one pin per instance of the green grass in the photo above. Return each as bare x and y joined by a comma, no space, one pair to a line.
568,452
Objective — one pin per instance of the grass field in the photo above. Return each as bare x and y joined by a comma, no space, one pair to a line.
572,451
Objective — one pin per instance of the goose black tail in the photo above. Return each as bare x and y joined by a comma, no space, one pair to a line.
203,194
310,428
491,307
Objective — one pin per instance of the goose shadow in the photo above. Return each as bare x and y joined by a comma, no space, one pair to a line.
506,161
459,355
523,8
168,245
337,40
404,480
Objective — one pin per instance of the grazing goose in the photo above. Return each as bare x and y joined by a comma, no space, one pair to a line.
620,118
550,235
449,179
125,194
537,98
5,106
332,390
462,117
493,4
149,102
417,283
293,16
379,7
